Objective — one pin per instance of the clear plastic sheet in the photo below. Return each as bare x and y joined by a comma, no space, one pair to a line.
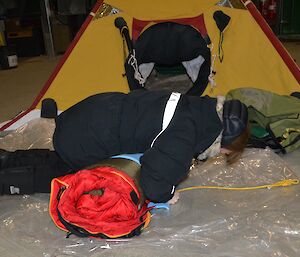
204,222
36,133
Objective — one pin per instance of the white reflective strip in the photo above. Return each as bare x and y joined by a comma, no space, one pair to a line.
170,109
156,138
169,112
173,190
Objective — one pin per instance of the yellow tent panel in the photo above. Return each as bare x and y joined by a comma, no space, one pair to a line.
94,63
250,60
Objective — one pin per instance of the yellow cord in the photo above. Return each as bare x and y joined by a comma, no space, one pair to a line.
282,183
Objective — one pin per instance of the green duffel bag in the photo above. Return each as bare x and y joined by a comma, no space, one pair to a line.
274,119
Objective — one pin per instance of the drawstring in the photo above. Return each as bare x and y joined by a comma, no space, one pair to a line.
212,73
124,49
133,62
281,183
220,49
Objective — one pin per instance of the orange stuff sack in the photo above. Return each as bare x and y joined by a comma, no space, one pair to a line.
100,202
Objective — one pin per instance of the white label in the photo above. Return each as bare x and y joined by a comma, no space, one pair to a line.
14,190
12,60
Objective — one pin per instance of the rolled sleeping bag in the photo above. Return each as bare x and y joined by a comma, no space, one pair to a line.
103,200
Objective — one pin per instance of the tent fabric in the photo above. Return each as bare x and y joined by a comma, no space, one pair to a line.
158,10
138,26
249,57
94,63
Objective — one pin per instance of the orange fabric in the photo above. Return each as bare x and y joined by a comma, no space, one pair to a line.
113,213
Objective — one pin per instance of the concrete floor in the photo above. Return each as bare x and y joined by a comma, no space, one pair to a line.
294,49
20,86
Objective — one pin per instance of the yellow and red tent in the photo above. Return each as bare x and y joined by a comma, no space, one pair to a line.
94,62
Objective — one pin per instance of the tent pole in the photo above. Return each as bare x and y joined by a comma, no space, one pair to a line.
47,29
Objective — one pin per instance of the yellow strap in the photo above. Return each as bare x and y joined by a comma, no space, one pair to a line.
282,183
288,131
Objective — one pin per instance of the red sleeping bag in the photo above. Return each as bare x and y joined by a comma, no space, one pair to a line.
99,202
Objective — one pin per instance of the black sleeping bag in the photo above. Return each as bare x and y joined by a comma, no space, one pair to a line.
109,124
